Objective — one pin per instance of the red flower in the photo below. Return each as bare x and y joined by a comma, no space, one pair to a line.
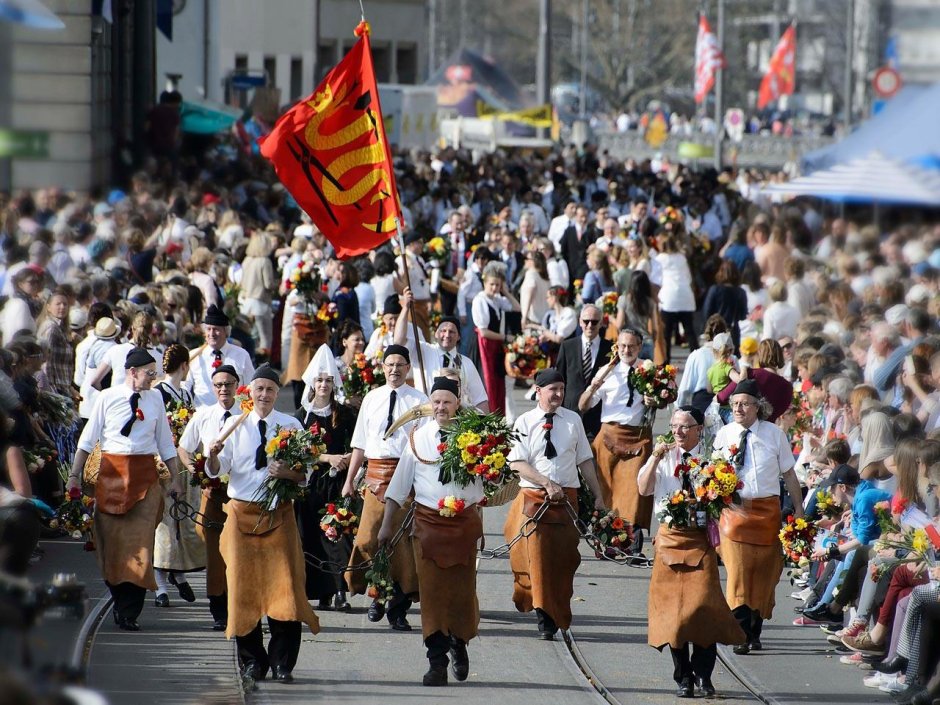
441,447
480,469
315,428
75,493
331,509
216,363
282,444
139,414
547,426
89,546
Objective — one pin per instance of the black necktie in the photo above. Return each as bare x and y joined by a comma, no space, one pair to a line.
630,386
742,447
587,364
686,480
550,451
391,410
126,428
261,455
225,417
446,362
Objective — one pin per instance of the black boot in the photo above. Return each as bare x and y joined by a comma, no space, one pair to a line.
895,665
547,626
460,659
339,602
436,675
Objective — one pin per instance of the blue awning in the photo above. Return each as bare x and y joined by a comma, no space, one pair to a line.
207,118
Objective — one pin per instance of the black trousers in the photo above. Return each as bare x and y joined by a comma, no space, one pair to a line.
218,606
398,606
929,664
438,644
699,665
283,647
671,322
19,534
128,599
750,620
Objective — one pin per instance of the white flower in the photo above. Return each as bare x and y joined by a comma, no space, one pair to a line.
648,364
223,479
76,534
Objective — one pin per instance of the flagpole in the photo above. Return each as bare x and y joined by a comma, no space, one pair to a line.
411,305
719,92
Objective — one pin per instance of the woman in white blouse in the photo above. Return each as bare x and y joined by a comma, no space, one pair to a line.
535,286
676,299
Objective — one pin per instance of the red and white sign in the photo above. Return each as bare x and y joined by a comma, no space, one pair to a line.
886,82
708,59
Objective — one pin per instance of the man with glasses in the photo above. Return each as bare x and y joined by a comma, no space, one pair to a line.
380,409
216,352
206,425
749,547
129,421
579,359
624,441
685,607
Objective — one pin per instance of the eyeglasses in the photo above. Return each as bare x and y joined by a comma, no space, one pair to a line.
741,404
786,346
685,428
151,374
591,322
223,385
395,365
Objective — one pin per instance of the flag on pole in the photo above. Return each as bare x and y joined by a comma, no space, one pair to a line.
331,153
708,59
780,78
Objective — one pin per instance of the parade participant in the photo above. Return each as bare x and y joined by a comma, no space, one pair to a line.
624,442
263,559
178,548
444,547
749,547
551,450
207,424
445,354
384,335
378,412
337,422
685,607
579,360
420,279
130,424
488,312
216,351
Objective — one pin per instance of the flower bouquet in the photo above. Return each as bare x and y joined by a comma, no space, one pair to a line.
298,448
797,538
56,410
716,487
677,510
827,506
327,313
657,382
910,545
450,506
802,421
338,520
611,530
362,376
380,586
305,280
178,414
886,521
525,356
199,478
75,517
243,399
608,304
475,446
37,458
437,251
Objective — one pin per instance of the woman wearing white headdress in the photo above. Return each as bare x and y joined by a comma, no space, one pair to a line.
336,421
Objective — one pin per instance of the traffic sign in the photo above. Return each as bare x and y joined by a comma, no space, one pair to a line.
734,123
886,82
24,144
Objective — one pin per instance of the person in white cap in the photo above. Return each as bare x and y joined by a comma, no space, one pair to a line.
103,338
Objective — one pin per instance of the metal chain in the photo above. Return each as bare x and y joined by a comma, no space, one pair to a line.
604,553
525,531
182,509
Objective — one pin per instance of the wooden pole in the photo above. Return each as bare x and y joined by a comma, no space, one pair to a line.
411,306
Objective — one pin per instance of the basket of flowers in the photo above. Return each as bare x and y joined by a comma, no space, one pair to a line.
525,356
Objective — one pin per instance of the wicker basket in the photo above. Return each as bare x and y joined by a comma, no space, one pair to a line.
92,465
504,494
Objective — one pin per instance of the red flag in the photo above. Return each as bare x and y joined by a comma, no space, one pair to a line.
330,152
708,59
780,78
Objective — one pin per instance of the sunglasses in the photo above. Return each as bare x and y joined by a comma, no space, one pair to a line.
591,322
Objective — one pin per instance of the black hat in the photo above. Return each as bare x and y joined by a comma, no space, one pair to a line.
694,413
392,305
397,350
413,236
749,387
266,372
227,369
447,384
138,357
450,319
215,317
844,475
547,377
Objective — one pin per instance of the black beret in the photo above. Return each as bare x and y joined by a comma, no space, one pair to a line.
392,305
446,384
450,319
138,357
397,350
749,387
228,369
696,414
266,372
547,377
215,317
413,236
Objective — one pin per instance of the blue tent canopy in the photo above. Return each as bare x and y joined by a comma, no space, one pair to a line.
906,129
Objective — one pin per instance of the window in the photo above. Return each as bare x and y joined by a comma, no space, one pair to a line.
406,62
381,59
241,62
270,68
326,59
296,77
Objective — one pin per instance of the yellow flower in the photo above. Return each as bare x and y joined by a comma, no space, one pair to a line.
495,460
466,457
920,542
800,524
184,413
468,438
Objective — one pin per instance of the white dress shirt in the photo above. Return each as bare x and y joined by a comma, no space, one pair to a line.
695,374
199,380
470,286
471,386
558,272
237,459
767,457
568,437
206,425
378,341
373,419
614,393
419,274
667,483
116,356
149,436
595,346
481,309
411,472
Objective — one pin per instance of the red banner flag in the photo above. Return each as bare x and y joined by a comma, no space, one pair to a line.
708,59
780,78
330,152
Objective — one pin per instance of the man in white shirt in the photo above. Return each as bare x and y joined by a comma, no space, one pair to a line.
470,286
380,409
444,354
213,354
551,450
749,547
445,560
562,222
780,318
419,275
129,422
384,335
625,440
264,561
206,425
